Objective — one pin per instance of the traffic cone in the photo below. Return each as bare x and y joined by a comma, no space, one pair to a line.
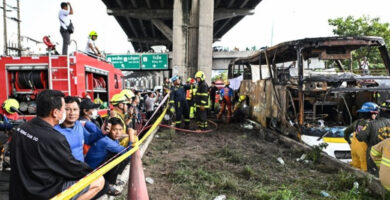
137,186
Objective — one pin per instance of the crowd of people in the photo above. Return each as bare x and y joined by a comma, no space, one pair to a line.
65,142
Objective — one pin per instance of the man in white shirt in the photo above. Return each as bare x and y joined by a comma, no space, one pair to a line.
365,66
149,103
91,48
63,15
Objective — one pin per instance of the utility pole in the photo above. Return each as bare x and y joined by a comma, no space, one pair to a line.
19,42
5,27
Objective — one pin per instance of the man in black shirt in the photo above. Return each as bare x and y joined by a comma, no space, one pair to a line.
42,164
213,91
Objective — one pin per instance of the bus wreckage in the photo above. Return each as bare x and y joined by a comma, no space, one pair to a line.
309,90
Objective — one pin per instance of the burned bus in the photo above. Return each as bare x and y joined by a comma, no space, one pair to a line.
310,88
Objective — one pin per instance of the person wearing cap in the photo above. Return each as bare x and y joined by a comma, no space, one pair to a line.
375,132
368,112
75,132
178,103
226,95
88,111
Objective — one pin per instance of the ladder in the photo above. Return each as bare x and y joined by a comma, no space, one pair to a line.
52,69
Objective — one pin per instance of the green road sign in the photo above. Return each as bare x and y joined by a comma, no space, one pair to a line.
154,61
131,62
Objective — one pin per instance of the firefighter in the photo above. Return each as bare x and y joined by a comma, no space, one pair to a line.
178,103
166,86
91,48
190,96
11,107
375,132
201,101
367,113
225,99
119,102
380,154
241,99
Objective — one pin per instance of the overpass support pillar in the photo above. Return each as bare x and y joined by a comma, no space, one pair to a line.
180,50
193,22
205,42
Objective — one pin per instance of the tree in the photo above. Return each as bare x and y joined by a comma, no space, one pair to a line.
362,26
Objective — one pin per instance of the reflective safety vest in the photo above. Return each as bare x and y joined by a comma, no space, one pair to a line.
380,154
189,93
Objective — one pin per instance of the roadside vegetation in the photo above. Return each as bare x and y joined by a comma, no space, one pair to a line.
241,165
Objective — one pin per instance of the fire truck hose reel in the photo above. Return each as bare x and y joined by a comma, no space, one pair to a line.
30,79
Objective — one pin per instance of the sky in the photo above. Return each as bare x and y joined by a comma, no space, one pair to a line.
274,21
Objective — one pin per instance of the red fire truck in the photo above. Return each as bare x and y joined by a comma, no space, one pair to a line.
22,78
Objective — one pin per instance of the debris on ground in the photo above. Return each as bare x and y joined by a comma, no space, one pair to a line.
280,160
241,165
248,126
220,197
149,180
325,194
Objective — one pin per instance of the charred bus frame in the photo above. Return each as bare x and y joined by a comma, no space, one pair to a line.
278,94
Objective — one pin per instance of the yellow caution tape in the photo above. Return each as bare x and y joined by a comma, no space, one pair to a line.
87,180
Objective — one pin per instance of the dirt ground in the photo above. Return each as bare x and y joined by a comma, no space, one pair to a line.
241,164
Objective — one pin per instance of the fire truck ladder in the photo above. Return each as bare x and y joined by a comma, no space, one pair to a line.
52,69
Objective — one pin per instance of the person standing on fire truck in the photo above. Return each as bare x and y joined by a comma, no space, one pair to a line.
91,48
225,97
66,25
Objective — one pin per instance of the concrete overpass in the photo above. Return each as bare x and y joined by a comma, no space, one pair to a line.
187,27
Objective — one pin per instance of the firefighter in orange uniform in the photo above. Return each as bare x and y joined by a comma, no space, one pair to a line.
226,95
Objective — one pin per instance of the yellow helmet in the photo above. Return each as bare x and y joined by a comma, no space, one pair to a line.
127,93
200,75
93,33
189,79
98,101
227,82
117,99
10,105
242,98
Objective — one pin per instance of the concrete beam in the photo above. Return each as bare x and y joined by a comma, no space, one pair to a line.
222,13
142,13
149,14
163,28
151,41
